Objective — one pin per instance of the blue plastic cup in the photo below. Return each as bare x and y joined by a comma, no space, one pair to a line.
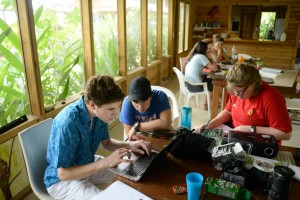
194,182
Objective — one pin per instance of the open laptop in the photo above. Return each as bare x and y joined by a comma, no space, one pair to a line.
141,163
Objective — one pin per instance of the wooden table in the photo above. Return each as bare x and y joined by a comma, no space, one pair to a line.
285,80
168,171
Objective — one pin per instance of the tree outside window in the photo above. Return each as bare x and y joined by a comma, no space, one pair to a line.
13,91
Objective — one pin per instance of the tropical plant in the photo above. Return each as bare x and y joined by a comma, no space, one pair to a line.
60,60
106,45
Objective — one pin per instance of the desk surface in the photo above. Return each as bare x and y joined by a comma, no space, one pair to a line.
168,171
286,79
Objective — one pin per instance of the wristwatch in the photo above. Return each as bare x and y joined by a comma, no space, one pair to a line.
136,126
253,129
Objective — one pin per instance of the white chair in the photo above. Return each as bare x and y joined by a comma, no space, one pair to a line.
187,94
293,104
174,105
34,142
182,61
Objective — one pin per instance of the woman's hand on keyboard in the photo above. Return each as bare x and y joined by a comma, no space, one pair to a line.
140,146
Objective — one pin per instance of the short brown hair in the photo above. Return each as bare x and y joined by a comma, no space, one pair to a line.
102,90
243,75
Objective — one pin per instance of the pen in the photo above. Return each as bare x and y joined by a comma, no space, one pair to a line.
207,124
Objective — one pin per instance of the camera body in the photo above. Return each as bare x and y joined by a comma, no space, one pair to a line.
264,145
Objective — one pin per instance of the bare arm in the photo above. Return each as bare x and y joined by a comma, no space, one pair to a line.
222,118
163,123
121,149
278,134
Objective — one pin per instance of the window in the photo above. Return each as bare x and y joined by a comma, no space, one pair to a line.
133,33
152,30
184,10
165,27
106,37
59,44
13,91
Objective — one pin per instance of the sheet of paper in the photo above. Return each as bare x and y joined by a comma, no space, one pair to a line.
271,70
225,128
268,74
119,190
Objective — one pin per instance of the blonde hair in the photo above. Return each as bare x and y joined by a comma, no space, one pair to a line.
244,75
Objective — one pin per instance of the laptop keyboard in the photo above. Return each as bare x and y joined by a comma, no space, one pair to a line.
140,165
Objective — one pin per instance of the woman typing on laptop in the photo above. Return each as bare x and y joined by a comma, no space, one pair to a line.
253,105
73,170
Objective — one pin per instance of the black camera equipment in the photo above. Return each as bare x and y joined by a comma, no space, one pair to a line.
281,183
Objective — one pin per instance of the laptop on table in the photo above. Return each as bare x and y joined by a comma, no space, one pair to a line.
141,163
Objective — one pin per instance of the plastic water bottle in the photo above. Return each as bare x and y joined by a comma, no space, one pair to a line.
233,53
186,117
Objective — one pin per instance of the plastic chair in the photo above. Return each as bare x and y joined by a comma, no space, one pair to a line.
174,105
183,61
34,142
187,94
293,104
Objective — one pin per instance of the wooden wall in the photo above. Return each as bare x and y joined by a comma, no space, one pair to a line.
275,54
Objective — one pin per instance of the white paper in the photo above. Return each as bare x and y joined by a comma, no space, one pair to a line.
267,74
224,127
271,70
119,190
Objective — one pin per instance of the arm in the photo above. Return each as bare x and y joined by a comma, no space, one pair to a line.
221,118
278,134
121,149
163,123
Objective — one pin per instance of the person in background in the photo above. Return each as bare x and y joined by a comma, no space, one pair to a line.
144,109
270,35
217,53
253,105
73,170
195,67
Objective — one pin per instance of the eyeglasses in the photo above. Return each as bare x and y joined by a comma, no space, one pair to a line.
241,92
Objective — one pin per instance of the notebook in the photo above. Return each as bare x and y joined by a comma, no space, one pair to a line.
119,190
141,163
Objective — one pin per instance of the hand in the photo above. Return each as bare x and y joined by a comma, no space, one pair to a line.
198,128
117,157
140,146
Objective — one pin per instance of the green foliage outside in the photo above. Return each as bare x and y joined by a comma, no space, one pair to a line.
106,44
267,23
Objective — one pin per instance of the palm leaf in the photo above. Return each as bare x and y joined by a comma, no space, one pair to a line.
11,58
64,93
11,35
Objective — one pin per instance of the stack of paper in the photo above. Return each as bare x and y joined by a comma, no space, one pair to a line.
271,70
119,190
267,74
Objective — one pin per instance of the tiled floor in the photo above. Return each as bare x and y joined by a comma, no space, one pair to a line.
199,116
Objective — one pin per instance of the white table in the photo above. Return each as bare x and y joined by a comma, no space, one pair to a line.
286,79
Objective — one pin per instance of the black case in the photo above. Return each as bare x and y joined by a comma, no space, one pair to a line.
264,145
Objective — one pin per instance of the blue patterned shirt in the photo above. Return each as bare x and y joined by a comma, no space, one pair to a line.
72,142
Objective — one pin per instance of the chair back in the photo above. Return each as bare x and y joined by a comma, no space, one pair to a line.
183,61
181,80
175,110
34,142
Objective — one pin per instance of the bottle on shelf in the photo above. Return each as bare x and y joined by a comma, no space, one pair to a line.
234,54
283,37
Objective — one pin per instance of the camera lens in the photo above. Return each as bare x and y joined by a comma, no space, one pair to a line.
281,183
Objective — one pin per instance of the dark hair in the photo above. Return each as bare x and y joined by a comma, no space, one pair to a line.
201,48
102,90
218,38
